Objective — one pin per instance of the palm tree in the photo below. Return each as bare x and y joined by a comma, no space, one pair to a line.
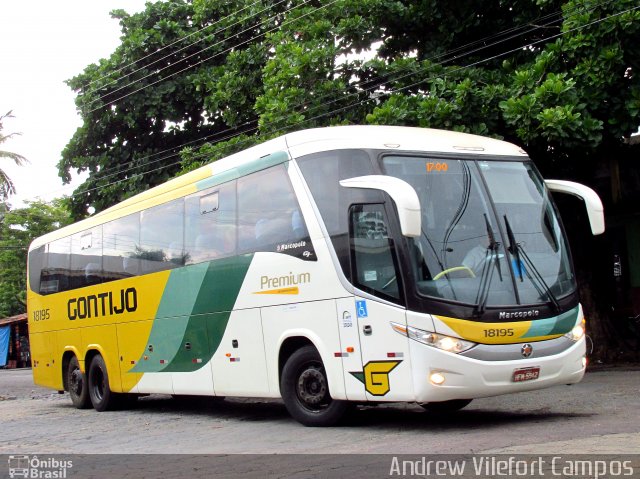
6,185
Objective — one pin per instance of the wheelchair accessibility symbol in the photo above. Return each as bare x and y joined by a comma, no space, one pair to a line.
361,309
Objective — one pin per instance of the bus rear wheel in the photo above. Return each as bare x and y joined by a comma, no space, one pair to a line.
77,384
305,390
102,398
446,406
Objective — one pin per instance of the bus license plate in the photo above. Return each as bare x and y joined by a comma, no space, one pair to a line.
526,374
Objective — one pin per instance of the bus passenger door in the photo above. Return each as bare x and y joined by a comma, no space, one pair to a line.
350,349
386,370
386,363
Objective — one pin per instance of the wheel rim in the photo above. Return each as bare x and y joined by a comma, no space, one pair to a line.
75,382
311,387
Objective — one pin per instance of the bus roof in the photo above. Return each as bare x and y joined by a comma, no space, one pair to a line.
397,137
294,145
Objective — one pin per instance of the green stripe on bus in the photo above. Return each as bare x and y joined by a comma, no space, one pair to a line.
178,298
566,321
557,325
210,314
243,170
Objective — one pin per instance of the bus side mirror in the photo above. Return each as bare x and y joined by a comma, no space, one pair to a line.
403,195
592,201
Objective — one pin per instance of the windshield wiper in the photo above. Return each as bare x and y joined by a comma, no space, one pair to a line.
514,249
486,276
518,251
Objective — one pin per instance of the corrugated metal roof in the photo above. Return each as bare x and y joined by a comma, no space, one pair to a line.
13,319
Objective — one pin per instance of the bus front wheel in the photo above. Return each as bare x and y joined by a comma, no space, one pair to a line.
305,390
101,396
77,383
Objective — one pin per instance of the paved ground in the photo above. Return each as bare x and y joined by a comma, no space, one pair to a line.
599,415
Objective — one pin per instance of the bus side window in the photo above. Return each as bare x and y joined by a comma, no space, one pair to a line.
55,275
210,217
86,258
268,211
161,237
121,238
37,259
322,173
374,264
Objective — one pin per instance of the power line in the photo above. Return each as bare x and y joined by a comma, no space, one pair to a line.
316,117
177,41
100,98
103,97
449,53
387,93
421,81
164,48
208,58
401,77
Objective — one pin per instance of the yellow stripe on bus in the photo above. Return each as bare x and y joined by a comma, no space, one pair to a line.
292,290
493,333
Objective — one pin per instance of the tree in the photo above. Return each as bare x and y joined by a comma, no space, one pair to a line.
6,185
559,77
555,76
17,229
185,72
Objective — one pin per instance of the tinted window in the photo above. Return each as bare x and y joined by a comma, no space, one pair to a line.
371,246
524,205
161,237
210,218
154,239
322,172
455,257
37,258
86,258
268,212
55,274
121,239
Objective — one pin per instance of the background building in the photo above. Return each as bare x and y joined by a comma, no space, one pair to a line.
14,342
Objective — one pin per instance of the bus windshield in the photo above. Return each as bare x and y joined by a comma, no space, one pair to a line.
490,233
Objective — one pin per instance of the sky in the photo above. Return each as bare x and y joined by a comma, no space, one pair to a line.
42,44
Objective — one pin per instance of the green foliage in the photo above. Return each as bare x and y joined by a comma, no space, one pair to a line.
158,92
552,113
17,229
194,158
559,77
196,80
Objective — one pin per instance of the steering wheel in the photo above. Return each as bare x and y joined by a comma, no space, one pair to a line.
466,269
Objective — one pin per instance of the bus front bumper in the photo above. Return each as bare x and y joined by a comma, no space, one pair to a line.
442,376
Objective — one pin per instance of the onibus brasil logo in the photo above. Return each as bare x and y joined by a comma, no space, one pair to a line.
33,467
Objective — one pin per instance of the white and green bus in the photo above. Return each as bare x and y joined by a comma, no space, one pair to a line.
325,267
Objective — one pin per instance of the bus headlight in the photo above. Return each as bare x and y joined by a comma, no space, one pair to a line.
440,341
577,332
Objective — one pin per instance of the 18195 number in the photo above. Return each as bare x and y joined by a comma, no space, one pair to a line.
41,314
498,333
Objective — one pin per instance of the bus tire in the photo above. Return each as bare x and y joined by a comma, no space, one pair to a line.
77,384
305,390
102,398
446,406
